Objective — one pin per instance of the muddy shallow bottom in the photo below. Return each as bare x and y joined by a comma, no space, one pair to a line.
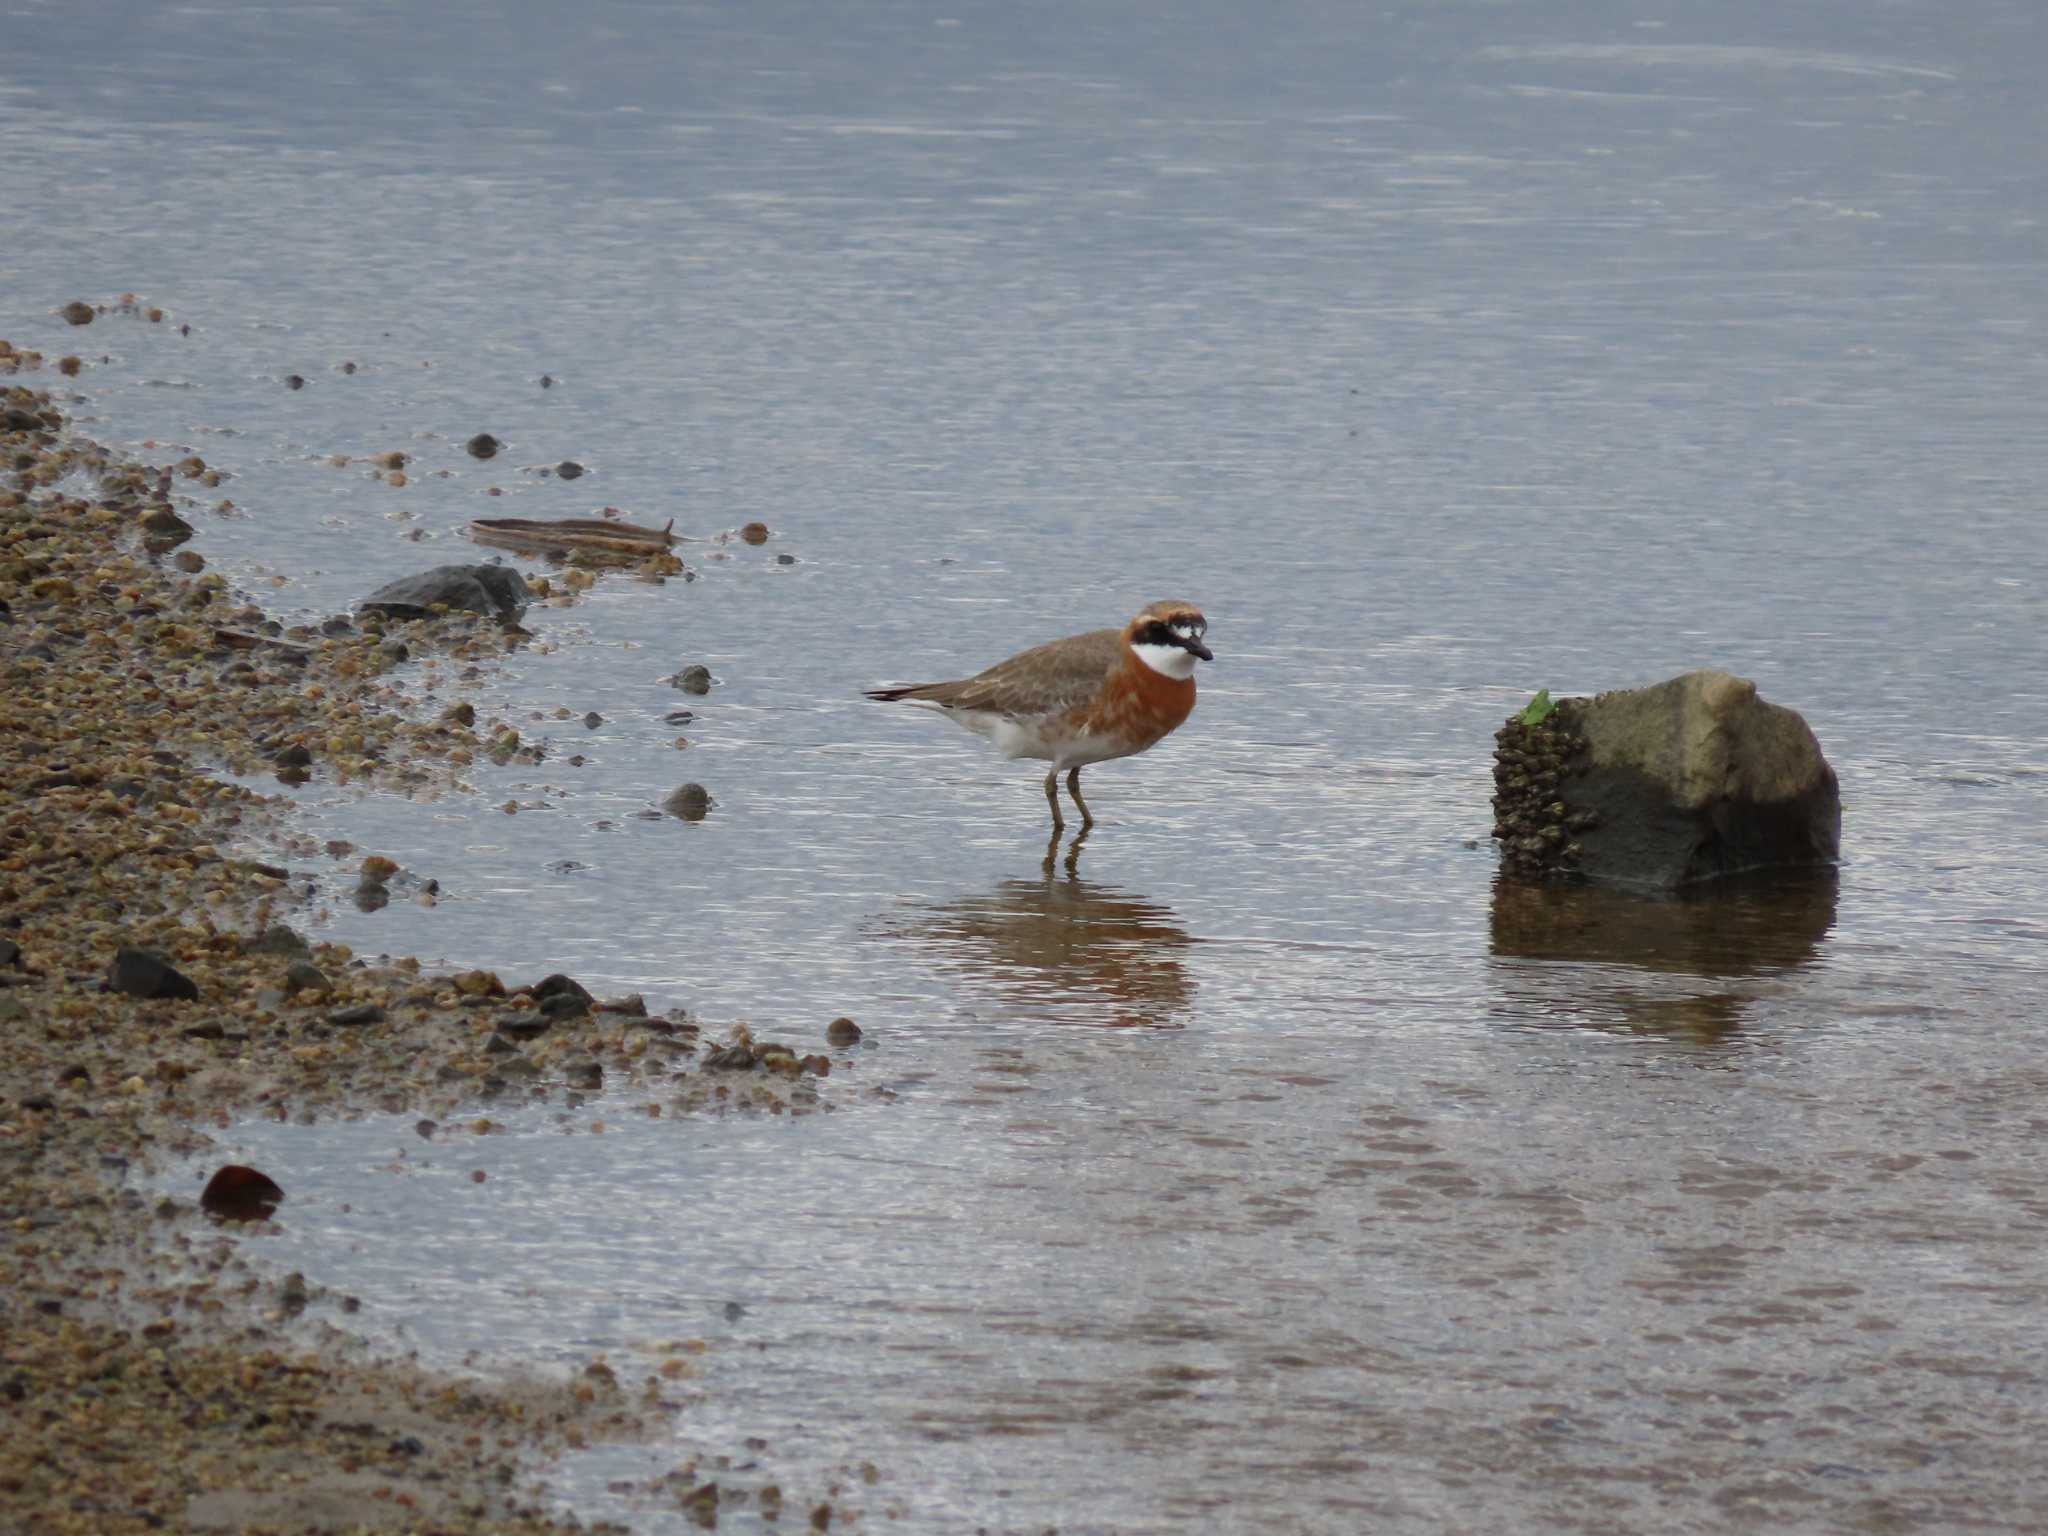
1757,1248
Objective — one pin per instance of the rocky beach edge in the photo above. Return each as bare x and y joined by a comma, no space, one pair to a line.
152,988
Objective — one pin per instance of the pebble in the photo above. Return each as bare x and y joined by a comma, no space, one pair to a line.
304,976
241,1193
140,973
842,1033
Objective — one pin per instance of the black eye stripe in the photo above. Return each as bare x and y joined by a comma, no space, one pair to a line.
1160,631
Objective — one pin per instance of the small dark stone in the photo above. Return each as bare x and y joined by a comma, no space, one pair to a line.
304,976
40,1103
293,381
77,312
297,755
693,679
547,381
587,1075
494,590
164,527
679,717
362,1013
592,720
338,624
139,973
755,533
525,1026
558,985
733,1058
482,446
371,898
565,1005
842,1032
238,1193
785,559
569,469
689,803
10,953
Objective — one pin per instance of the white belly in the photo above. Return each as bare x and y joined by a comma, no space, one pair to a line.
1024,738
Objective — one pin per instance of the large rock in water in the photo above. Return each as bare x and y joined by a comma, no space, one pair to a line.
1663,786
493,590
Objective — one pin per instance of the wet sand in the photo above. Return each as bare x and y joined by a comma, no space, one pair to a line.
151,1379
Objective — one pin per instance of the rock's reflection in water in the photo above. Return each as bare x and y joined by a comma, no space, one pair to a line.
1632,947
1061,949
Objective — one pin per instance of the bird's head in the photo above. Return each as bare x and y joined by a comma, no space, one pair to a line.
1167,637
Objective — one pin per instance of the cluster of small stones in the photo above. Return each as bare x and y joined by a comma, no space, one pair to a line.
150,988
1536,827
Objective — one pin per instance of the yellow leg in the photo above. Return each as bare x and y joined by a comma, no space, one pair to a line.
1052,797
1074,789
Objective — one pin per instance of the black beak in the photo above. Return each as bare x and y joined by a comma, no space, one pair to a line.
1196,648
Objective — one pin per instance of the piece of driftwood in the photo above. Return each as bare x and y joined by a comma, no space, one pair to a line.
600,535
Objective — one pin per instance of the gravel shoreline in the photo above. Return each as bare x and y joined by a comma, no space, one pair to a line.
148,1379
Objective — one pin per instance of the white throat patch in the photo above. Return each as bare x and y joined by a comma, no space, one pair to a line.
1167,660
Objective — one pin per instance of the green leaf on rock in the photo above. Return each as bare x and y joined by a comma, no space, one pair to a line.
1538,709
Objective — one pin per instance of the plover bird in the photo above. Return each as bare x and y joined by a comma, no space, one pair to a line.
1085,699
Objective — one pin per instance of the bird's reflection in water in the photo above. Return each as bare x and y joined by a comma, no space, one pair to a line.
1686,966
1061,948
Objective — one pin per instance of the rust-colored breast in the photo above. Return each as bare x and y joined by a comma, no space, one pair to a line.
1139,705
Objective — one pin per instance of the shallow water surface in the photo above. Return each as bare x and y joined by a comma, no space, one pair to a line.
1259,1163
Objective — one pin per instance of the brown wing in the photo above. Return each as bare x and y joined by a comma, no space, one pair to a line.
1048,679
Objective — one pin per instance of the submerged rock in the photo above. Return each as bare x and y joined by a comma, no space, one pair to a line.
492,590
689,803
1663,786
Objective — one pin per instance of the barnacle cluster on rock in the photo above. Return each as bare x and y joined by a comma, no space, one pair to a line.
1533,819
